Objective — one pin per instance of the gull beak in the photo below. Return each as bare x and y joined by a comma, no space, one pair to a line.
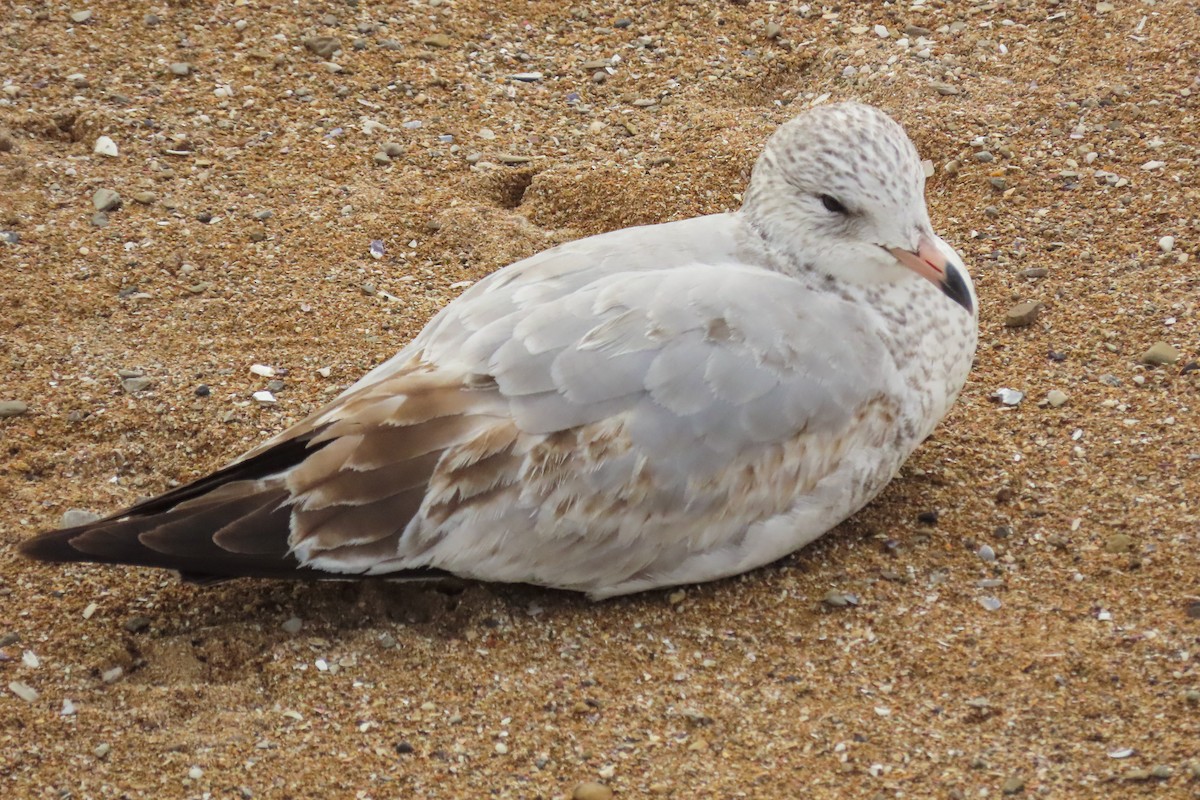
933,265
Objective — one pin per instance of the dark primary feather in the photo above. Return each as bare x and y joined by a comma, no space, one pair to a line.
228,524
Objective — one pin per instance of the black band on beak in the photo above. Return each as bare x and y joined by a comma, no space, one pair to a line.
954,287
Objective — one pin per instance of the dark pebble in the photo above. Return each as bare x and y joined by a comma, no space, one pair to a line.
204,217
928,517
622,23
203,391
1191,366
1193,610
404,748
1002,532
136,624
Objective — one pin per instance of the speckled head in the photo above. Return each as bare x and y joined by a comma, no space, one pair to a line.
840,190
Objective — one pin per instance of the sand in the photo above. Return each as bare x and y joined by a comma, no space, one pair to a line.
1064,667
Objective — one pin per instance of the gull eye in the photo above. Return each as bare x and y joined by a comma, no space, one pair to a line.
833,205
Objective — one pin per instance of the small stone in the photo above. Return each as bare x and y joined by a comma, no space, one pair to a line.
1166,244
990,603
1009,397
136,624
1055,398
986,553
381,158
1022,314
204,217
509,158
590,790
1160,353
1137,775
203,390
1118,543
12,408
145,198
944,88
258,235
916,31
135,385
1014,785
262,215
106,200
68,708
292,625
1160,772
99,219
323,46
27,692
105,146
1035,272
404,748
74,517
438,40
102,750
264,398
195,773
837,599
80,17
527,77
773,30
984,157
180,68
999,184
393,149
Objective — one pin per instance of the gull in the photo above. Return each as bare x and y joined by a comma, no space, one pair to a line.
653,406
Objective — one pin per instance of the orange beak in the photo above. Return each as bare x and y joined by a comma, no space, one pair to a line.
931,264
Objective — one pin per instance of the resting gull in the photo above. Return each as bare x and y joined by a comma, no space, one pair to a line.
653,406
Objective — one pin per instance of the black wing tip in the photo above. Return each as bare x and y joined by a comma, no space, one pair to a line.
52,547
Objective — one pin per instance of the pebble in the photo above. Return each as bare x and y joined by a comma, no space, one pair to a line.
990,603
1160,353
100,219
68,707
527,77
393,149
773,30
986,553
1035,272
112,674
263,397
1009,397
984,157
1118,543
381,158
195,773
106,200
509,158
80,17
323,46
1055,398
438,40
102,750
838,599
74,517
23,691
203,390
590,790
944,88
145,198
136,624
135,385
180,68
12,408
1014,785
105,146
262,215
262,370
292,625
1166,244
1022,314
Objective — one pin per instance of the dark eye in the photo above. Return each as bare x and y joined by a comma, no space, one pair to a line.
833,205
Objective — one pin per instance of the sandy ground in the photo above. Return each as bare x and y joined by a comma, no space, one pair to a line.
1065,667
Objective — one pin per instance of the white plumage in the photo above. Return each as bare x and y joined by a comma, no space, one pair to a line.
652,406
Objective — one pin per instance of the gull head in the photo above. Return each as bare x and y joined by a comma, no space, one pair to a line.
840,190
